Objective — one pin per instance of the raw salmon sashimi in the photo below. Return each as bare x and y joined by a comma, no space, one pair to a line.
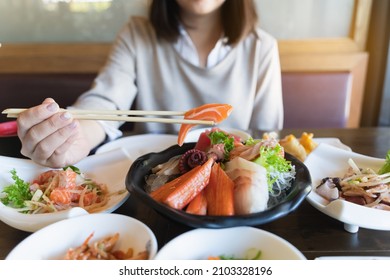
63,178
208,112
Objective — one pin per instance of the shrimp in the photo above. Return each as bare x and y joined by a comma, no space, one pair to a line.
103,250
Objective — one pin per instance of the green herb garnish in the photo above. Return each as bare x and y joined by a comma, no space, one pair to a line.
386,167
74,168
219,137
17,193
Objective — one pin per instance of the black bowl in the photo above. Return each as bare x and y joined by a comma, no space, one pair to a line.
279,207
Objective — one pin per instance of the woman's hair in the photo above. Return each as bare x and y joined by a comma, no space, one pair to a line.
238,17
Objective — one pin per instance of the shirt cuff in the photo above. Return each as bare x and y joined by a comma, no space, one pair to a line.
111,132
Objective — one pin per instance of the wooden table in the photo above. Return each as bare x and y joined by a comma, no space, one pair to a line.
311,231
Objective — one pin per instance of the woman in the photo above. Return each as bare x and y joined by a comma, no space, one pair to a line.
187,53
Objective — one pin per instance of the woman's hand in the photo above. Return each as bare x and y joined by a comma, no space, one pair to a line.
53,138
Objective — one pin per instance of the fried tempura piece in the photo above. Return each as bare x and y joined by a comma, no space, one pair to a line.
292,146
307,142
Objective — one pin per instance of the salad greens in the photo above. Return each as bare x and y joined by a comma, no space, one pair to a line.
279,170
386,167
251,141
220,137
17,193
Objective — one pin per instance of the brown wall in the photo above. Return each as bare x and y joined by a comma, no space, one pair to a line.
26,90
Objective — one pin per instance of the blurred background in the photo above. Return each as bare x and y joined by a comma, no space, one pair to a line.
334,54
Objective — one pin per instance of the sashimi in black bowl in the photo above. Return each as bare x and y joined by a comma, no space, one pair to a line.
250,211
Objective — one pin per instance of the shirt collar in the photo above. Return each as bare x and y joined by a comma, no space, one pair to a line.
186,48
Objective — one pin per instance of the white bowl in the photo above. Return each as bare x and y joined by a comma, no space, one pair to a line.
53,241
109,168
330,161
200,244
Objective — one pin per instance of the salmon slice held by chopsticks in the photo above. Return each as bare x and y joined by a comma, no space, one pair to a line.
208,112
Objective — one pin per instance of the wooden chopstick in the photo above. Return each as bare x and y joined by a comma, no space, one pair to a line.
107,112
109,115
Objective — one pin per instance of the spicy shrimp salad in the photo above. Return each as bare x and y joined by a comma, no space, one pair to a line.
54,190
104,249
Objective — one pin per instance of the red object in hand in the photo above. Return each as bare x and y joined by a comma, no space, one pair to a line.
8,129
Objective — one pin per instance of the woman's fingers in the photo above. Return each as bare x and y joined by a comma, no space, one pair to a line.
60,125
52,144
43,129
51,137
36,115
71,151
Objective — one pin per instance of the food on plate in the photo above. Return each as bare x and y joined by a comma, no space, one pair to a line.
306,140
300,148
250,185
220,193
251,254
208,112
386,167
180,191
103,250
54,190
198,205
222,176
361,186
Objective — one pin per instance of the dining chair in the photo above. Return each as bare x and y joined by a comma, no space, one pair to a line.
317,100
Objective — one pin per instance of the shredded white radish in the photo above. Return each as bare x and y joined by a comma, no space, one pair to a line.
354,166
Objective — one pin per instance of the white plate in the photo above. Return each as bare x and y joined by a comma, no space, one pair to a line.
109,168
53,241
330,161
200,244
335,142
138,145
352,258
193,135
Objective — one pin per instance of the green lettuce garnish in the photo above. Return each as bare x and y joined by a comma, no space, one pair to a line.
386,167
279,170
219,137
250,141
17,193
